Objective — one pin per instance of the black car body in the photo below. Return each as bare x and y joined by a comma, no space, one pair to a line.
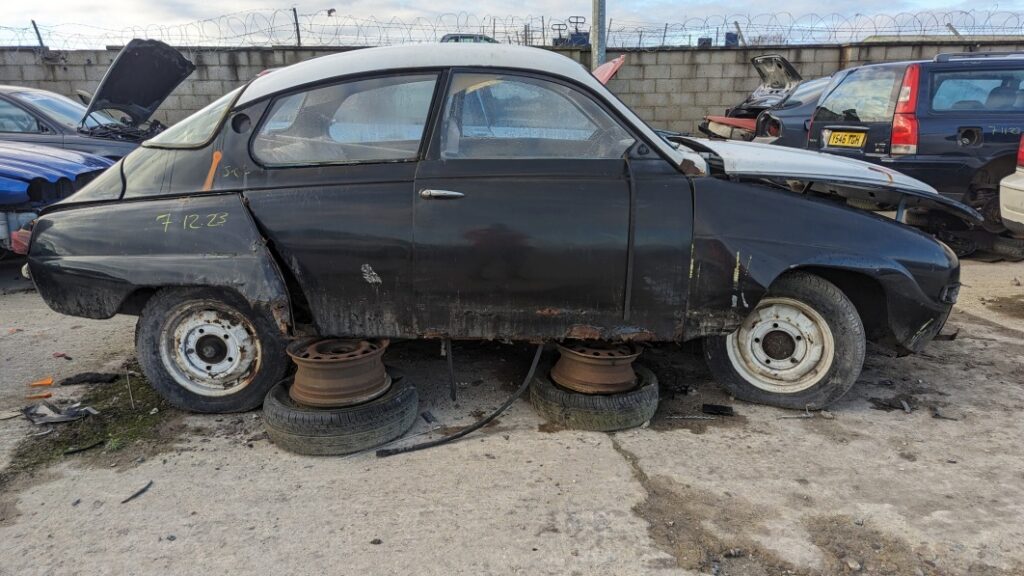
482,192
787,123
953,122
142,75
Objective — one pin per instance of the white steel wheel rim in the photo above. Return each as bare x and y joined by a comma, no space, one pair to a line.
784,346
209,348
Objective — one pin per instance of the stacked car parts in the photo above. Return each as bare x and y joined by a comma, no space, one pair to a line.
596,386
341,400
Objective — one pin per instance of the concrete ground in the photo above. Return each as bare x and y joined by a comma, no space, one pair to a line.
872,489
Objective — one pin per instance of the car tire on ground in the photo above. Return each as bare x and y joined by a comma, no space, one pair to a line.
336,431
598,412
806,325
207,350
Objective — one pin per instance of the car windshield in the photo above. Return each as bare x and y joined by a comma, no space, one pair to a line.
64,110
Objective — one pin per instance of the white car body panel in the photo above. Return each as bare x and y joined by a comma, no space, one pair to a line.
1011,201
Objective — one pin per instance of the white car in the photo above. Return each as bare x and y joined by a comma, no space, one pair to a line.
1011,196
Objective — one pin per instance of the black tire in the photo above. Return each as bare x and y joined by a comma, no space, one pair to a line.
598,412
267,366
847,333
335,431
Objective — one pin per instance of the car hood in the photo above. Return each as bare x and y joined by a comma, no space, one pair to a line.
778,79
20,164
139,79
861,183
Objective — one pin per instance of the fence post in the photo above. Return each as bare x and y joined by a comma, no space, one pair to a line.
298,35
597,39
38,35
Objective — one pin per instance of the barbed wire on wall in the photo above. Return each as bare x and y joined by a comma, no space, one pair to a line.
326,28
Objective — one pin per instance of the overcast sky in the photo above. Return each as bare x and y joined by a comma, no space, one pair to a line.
122,13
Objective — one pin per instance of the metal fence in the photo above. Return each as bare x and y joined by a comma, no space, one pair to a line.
287,27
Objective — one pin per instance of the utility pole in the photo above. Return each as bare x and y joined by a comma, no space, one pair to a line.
597,34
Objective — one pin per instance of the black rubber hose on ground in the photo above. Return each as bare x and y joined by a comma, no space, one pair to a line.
385,452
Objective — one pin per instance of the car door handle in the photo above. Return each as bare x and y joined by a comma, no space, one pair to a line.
428,194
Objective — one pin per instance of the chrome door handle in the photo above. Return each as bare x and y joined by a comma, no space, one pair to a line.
427,194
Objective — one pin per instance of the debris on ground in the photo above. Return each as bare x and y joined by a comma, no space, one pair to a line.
39,396
940,416
428,417
47,413
903,402
62,355
138,492
717,410
48,381
77,449
89,378
947,336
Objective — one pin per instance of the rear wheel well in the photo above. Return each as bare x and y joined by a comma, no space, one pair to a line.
866,294
989,175
136,301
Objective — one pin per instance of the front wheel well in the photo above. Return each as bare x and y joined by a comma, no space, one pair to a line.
866,294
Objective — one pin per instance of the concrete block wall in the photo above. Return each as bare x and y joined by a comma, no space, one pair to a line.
671,88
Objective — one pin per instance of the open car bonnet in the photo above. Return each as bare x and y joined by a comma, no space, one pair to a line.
139,79
862,184
778,79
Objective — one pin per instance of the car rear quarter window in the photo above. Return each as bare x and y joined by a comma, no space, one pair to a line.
977,90
369,120
493,116
865,95
198,129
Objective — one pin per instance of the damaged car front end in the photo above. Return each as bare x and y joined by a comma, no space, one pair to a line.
484,192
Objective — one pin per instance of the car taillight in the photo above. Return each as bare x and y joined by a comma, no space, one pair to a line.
904,134
904,121
1020,152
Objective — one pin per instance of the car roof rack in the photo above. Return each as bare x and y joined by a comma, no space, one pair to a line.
947,56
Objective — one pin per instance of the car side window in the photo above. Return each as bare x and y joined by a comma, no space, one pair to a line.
371,120
981,90
15,119
493,116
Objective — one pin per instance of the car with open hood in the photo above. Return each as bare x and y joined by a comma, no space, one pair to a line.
485,191
778,80
118,115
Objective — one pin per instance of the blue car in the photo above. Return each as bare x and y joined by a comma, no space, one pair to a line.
33,177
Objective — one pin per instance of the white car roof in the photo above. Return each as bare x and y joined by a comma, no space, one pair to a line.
412,56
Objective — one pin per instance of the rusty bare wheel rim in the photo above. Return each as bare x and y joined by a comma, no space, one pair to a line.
784,346
209,348
596,367
338,372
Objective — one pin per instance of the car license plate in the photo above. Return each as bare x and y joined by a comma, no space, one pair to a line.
846,139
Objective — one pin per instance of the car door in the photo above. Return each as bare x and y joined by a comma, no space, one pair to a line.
336,199
522,211
20,125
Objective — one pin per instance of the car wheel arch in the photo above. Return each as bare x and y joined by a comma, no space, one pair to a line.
867,294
